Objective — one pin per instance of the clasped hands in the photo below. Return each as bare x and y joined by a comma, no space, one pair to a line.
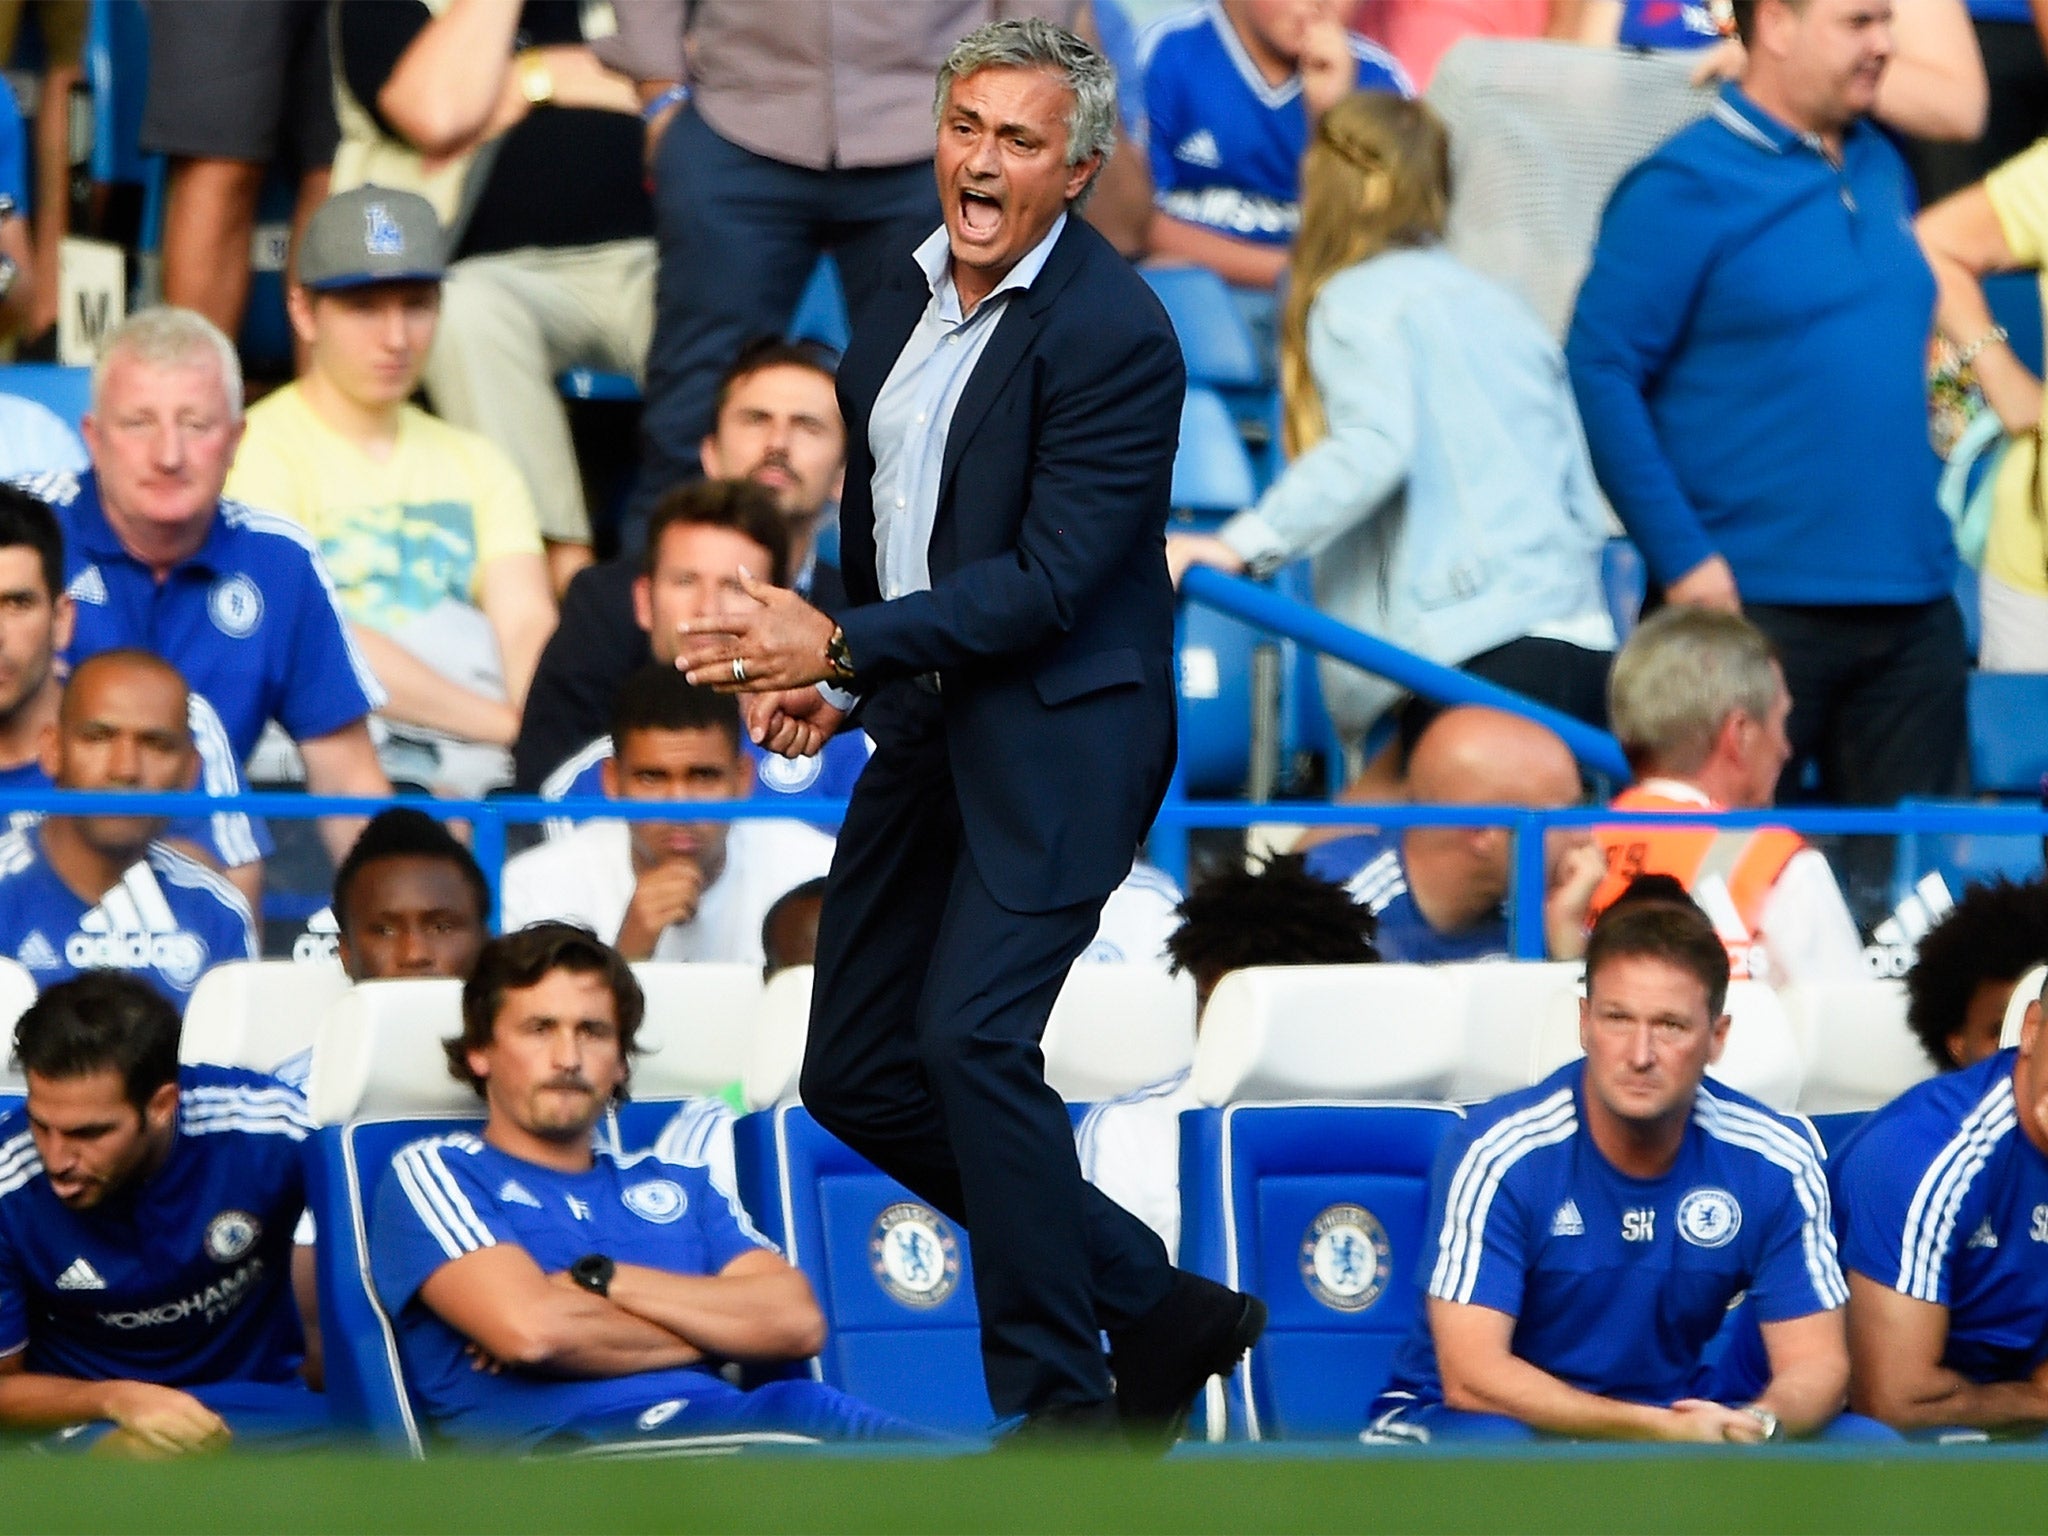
774,655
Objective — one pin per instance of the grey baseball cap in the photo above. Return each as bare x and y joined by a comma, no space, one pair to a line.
371,235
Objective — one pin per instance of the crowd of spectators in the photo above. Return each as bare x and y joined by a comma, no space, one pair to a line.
490,193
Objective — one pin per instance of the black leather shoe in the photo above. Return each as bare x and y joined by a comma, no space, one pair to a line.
1162,1361
1073,1426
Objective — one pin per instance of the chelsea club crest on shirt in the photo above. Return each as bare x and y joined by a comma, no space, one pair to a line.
656,1200
1709,1218
236,606
230,1235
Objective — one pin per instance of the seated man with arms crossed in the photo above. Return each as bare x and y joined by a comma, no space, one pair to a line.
669,890
1591,1231
87,892
1944,1201
546,1294
146,1220
1699,701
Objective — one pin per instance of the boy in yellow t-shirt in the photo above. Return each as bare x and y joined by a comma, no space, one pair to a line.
428,529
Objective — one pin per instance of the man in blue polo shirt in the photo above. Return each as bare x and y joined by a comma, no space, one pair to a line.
1439,893
1944,1203
1591,1232
1231,89
93,892
1749,353
146,1221
236,598
600,1292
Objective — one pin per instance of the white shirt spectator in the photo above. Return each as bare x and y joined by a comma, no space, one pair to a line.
587,877
35,441
1130,1150
1138,919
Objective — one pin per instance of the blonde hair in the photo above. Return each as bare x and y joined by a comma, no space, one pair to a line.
1376,174
164,336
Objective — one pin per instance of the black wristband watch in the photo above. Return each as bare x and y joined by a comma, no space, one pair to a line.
594,1273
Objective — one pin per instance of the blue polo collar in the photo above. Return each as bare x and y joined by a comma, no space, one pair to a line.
94,533
1752,124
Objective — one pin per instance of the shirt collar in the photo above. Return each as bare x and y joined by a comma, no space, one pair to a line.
92,531
935,258
1748,121
1677,789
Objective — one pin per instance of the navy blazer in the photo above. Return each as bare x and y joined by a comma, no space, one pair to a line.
1050,615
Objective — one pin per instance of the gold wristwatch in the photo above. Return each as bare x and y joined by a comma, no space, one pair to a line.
838,657
536,80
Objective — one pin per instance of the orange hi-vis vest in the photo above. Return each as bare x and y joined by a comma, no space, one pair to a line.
1747,862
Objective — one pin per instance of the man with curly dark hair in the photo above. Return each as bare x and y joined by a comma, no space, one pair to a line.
1276,913
1957,990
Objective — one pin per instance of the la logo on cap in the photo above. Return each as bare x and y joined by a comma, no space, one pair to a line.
381,233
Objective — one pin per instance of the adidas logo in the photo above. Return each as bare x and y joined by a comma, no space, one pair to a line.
81,1276
515,1193
1983,1237
1199,148
88,586
36,952
1568,1222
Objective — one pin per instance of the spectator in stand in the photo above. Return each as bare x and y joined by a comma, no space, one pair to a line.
147,1267
1941,1195
1420,32
1967,966
1933,87
602,1292
1749,351
35,625
236,599
1233,90
669,890
1593,1230
1440,480
20,280
1278,914
2011,100
85,892
1698,699
777,425
1438,893
233,89
702,538
409,900
427,528
530,150
775,133
60,26
2000,225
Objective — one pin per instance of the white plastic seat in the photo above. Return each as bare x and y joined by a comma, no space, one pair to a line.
1276,1033
2026,990
1854,1045
1118,1027
700,1016
1505,1005
378,1052
775,1056
1760,1059
258,1013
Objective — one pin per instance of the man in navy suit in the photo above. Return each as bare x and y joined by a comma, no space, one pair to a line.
1012,400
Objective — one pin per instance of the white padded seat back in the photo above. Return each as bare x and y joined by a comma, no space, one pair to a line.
700,1016
1761,1057
2026,990
1273,1033
378,1053
258,1013
775,1056
1855,1049
1117,1027
1505,1006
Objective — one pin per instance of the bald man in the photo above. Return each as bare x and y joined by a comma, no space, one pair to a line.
1439,893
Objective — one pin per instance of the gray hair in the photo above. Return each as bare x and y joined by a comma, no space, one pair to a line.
1027,42
165,336
1683,673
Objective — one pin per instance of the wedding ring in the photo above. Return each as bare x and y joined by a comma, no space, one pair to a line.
739,670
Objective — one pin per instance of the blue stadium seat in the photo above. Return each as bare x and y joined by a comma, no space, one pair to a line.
117,75
2008,733
1968,603
1320,1209
2015,300
1211,472
1213,655
821,310
595,384
1214,339
66,391
1960,858
892,1274
365,1384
